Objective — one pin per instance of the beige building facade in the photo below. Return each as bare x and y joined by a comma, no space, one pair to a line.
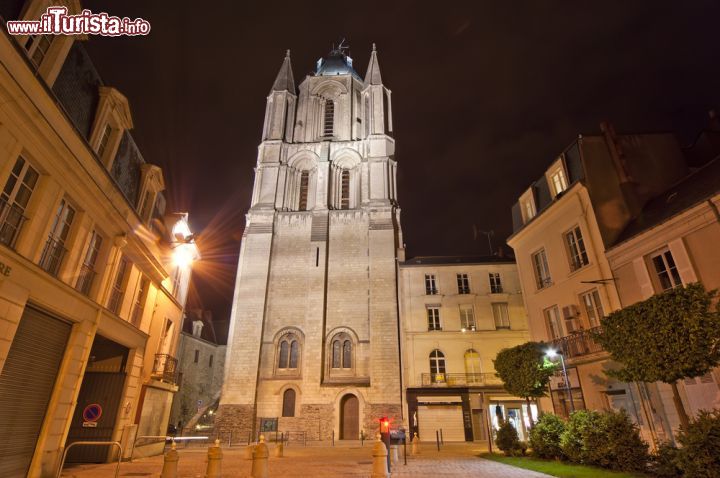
456,314
673,242
313,344
564,224
90,298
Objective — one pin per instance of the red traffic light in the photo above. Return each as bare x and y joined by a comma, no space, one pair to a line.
384,424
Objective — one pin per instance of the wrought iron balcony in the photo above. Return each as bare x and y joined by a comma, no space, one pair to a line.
11,222
85,279
52,256
578,344
165,368
458,379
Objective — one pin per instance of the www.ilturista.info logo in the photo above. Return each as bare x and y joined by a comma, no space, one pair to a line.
56,21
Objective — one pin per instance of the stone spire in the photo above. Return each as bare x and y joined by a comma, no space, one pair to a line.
284,80
372,77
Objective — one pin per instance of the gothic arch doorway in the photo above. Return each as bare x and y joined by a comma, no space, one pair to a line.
349,417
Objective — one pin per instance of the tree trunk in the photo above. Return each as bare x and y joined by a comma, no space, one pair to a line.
530,415
684,420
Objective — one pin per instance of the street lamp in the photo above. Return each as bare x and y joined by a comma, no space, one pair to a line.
551,354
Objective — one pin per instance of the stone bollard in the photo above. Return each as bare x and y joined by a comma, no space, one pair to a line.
260,460
394,454
249,450
415,445
214,457
379,454
279,450
170,465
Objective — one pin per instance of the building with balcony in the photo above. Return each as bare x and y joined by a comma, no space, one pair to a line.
673,242
564,224
91,300
456,314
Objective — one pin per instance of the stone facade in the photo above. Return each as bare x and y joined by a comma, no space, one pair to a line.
315,312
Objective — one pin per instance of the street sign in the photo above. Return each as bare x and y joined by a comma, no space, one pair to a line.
92,413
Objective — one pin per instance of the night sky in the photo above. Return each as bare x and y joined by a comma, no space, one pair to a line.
485,95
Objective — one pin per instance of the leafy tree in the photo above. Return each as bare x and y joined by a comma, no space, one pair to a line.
524,371
666,338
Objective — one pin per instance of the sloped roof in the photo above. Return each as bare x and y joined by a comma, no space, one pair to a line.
452,260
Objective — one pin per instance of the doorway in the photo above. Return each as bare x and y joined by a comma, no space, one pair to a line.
349,418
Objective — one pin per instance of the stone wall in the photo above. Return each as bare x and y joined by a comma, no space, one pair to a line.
238,418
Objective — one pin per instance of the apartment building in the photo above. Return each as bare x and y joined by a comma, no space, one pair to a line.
456,314
94,269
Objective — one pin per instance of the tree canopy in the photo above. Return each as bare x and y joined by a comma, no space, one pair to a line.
667,337
524,370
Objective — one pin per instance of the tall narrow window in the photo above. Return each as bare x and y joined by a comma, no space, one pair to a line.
14,200
666,270
501,316
558,183
104,140
289,352
467,317
367,115
341,352
495,283
140,299
437,366
54,250
87,269
284,354
37,47
336,354
576,249
288,409
294,354
553,323
118,289
463,283
329,118
197,356
430,284
345,189
542,271
433,318
347,354
473,367
593,307
304,187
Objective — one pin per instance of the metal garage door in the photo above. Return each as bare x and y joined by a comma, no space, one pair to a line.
435,417
26,384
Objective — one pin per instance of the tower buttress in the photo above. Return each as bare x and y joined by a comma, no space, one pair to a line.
280,109
378,105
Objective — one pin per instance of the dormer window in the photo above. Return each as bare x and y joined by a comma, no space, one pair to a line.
557,180
37,47
527,205
104,140
329,118
152,184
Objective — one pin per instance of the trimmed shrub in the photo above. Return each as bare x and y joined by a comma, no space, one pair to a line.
699,455
609,440
545,436
507,438
664,462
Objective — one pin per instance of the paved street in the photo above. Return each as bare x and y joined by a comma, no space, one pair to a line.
313,461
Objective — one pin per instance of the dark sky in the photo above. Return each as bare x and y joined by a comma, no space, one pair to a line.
485,95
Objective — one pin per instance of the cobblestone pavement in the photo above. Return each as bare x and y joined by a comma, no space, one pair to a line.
346,460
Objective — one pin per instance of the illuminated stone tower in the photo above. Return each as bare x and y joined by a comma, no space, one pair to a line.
314,328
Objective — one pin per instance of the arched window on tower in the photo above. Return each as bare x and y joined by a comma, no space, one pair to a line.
437,366
345,189
341,352
288,409
329,118
289,353
304,187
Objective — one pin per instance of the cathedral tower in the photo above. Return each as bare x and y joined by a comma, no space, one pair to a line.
314,326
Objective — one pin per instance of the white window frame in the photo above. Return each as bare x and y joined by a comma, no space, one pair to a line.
501,315
467,317
541,269
593,307
463,283
527,206
575,248
671,270
496,286
553,322
431,284
432,314
557,178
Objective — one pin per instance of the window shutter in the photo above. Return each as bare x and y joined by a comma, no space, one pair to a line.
643,278
682,261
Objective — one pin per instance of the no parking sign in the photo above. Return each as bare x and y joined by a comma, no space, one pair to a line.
91,414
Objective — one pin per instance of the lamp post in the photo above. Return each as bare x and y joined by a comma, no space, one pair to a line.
551,354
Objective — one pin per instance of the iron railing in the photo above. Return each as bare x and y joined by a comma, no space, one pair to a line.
52,256
578,343
85,279
165,368
116,298
11,222
458,379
